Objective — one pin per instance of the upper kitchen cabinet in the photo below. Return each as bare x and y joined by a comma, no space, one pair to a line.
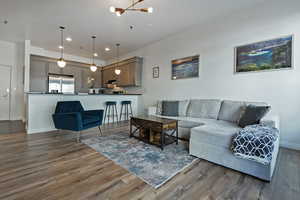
40,67
131,73
38,75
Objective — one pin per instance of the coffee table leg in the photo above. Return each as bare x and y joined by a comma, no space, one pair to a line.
162,140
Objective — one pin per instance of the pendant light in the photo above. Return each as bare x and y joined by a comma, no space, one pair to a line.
61,62
117,70
93,67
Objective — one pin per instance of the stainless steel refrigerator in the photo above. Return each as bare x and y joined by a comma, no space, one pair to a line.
58,83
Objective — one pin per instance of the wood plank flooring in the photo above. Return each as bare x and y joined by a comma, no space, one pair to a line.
53,166
11,127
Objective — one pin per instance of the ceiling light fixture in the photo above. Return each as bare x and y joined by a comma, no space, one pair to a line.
61,62
93,67
120,11
117,70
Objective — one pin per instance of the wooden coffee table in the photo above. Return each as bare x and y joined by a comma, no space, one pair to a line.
152,130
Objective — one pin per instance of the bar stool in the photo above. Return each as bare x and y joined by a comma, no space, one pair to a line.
127,105
111,111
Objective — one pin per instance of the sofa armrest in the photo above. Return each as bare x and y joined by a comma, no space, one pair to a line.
68,121
272,121
152,110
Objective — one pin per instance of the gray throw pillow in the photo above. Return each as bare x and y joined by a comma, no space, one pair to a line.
252,115
170,108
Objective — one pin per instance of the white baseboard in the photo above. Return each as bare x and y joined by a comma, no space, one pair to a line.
290,145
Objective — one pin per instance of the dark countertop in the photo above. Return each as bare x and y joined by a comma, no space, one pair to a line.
83,94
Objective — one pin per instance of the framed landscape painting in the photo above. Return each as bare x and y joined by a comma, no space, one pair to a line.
185,68
266,55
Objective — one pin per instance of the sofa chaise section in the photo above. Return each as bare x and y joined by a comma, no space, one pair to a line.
210,134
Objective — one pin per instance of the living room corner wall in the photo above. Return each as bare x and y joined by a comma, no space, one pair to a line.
215,42
12,55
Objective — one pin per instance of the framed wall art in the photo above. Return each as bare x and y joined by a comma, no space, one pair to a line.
185,68
267,55
155,72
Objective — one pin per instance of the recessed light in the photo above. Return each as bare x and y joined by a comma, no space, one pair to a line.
69,39
95,54
107,49
60,47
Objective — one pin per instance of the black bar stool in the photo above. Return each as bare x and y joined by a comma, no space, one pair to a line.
111,111
127,105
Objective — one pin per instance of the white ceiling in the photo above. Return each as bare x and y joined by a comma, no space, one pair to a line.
38,21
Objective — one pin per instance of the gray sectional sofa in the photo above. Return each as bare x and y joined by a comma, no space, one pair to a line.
210,125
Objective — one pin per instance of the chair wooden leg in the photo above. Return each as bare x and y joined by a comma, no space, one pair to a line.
101,134
78,136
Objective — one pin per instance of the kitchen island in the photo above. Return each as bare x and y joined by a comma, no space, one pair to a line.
40,107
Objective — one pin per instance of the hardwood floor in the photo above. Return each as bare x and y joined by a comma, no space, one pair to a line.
54,166
11,127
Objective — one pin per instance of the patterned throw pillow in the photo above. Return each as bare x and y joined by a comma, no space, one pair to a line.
256,143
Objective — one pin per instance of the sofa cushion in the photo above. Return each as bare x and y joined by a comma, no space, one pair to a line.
231,110
219,133
182,108
204,108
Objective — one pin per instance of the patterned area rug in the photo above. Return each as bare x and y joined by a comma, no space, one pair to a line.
146,161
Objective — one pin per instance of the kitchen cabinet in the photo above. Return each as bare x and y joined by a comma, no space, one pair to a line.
40,67
131,73
38,76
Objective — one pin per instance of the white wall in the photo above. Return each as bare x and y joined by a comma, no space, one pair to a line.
215,42
12,54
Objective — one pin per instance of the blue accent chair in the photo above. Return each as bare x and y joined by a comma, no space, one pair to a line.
70,115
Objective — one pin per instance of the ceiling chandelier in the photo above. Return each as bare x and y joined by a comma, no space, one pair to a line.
120,11
117,70
93,66
61,62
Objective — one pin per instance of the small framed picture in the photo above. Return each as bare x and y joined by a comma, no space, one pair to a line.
155,72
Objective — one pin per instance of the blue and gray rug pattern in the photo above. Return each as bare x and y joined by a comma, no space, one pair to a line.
146,161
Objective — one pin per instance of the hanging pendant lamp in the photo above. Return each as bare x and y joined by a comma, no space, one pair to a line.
117,70
61,62
93,67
